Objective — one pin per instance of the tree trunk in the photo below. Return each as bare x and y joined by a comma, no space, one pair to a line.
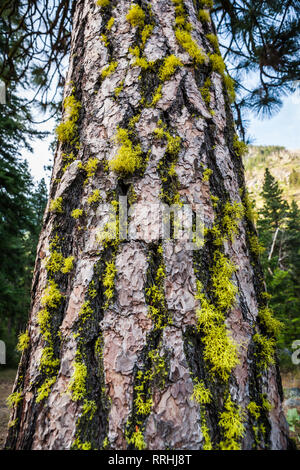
144,342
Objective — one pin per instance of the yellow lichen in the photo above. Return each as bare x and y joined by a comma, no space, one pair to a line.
217,63
94,197
52,296
229,84
189,44
204,16
157,96
68,158
23,342
78,381
108,281
66,131
13,399
224,289
206,174
90,167
110,23
205,91
255,246
170,64
85,312
109,69
54,261
68,265
136,16
118,89
44,390
103,3
104,39
137,439
220,351
214,41
201,394
271,324
56,205
240,147
232,214
128,158
76,213
254,409
231,421
266,350
146,33
139,61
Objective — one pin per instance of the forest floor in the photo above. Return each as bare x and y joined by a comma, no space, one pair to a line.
290,382
7,378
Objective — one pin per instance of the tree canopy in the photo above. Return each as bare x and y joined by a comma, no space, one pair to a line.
255,36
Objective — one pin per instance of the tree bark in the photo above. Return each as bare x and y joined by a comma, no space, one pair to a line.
121,352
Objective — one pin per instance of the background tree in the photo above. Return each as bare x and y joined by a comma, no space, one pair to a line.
279,229
21,205
141,343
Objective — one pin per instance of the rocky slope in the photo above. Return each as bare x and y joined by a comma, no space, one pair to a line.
283,164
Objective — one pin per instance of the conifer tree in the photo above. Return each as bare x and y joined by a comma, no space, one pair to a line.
142,342
279,235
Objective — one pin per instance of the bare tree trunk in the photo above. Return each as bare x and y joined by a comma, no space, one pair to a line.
138,343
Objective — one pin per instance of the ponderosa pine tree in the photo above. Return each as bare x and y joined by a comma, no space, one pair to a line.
279,228
146,343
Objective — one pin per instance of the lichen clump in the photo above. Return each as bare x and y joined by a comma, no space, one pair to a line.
66,131
109,69
201,394
76,213
189,44
94,197
56,205
171,63
183,34
128,158
231,421
23,342
90,167
103,3
136,16
77,382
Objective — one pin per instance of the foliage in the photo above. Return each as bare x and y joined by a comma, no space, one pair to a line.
261,37
293,418
21,210
279,238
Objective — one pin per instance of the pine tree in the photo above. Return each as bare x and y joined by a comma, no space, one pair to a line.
279,229
141,342
19,221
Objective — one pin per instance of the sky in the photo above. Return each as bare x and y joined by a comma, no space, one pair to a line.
283,129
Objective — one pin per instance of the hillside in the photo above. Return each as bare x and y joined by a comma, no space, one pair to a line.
283,164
